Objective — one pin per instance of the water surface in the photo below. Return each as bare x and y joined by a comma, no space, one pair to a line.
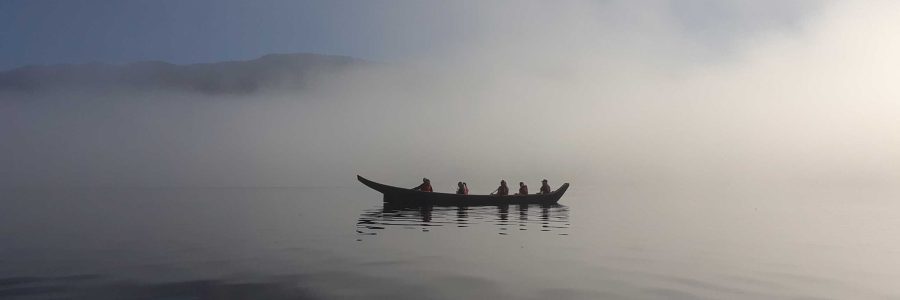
287,243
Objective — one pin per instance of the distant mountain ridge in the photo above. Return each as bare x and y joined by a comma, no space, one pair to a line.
291,71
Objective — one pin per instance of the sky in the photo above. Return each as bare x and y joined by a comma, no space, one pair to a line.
49,32
703,93
192,31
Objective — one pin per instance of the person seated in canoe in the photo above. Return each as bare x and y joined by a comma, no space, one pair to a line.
425,186
503,190
545,188
466,187
523,189
462,190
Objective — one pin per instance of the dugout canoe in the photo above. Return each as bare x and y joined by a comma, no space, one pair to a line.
407,196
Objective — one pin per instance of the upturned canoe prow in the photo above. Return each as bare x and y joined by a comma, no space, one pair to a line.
407,196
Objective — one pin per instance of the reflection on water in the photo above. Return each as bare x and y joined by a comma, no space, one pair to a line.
304,244
553,217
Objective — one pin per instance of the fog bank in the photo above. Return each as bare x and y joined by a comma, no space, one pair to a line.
590,93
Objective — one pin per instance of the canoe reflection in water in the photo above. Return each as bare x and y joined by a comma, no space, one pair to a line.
505,218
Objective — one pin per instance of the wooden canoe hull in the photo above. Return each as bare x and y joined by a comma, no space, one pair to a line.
411,197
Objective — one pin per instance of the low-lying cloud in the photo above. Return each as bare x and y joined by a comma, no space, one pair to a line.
618,92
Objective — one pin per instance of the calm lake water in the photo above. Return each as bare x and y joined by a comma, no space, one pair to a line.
342,243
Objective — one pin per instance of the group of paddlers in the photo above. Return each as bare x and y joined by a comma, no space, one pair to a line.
502,190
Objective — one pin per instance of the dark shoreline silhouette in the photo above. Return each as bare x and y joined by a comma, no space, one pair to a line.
290,71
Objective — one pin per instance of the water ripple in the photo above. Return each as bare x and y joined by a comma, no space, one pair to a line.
503,218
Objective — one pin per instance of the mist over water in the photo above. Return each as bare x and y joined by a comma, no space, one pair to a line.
742,159
576,98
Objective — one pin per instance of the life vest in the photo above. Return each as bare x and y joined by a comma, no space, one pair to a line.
523,190
424,187
503,191
545,189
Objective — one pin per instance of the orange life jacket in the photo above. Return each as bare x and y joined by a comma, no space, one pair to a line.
503,191
425,187
545,189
